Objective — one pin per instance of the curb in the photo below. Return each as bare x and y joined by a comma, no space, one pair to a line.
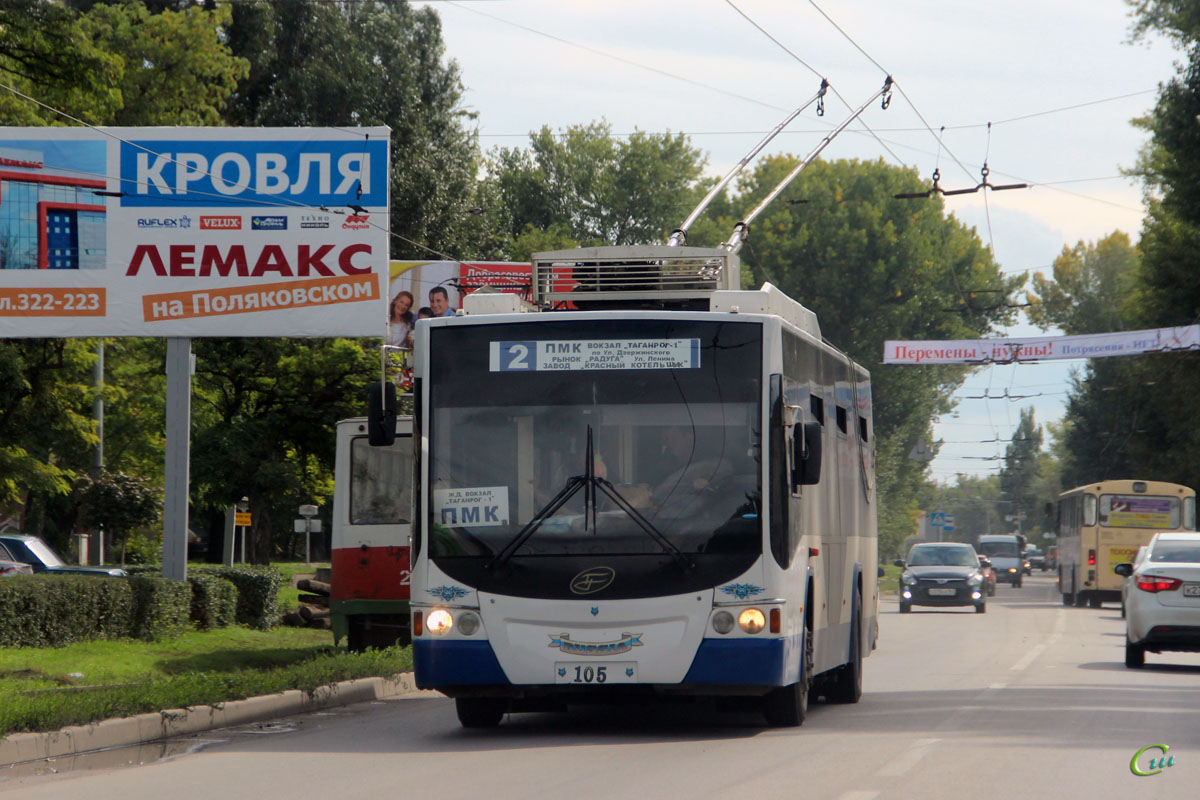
154,726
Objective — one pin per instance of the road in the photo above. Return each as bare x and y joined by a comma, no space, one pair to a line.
1029,700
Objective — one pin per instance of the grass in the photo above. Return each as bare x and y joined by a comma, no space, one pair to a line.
890,582
289,596
44,689
48,688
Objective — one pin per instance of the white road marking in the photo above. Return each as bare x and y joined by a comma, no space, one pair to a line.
906,761
858,794
1060,624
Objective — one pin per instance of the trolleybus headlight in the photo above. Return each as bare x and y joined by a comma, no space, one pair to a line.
752,620
722,622
439,621
468,623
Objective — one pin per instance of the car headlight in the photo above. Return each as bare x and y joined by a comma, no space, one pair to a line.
909,579
975,579
439,621
752,620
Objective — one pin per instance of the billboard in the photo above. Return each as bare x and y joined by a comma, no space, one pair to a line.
436,288
193,232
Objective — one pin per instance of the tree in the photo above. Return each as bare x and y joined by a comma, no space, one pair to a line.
873,268
268,434
46,430
45,53
1091,290
586,187
368,63
1132,417
176,66
116,503
1019,475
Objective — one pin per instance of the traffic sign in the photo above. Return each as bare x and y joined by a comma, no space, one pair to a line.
242,519
948,519
937,519
948,528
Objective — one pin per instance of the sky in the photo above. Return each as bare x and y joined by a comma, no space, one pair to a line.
1058,80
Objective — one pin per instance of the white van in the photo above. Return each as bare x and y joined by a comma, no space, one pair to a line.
1004,551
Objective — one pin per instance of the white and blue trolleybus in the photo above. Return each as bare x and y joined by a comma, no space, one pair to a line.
665,489
643,482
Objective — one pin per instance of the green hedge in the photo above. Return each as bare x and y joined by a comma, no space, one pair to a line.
214,601
162,606
257,592
257,589
56,610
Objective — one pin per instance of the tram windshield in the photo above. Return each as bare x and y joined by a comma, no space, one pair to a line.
669,412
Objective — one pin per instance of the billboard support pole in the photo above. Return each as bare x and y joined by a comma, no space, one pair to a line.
175,495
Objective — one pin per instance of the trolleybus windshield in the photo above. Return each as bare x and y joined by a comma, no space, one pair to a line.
673,411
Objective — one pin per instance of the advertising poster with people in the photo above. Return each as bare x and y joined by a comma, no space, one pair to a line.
193,231
421,289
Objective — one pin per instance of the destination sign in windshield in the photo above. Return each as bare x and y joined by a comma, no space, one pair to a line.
594,354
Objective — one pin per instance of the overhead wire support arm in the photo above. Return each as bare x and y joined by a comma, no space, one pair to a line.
679,235
738,236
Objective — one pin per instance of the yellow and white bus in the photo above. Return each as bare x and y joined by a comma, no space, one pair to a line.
1103,524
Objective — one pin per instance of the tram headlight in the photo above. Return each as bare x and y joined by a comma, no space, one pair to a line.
439,621
722,622
752,620
468,623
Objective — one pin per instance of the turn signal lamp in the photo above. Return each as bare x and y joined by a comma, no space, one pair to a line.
776,619
418,623
752,620
439,621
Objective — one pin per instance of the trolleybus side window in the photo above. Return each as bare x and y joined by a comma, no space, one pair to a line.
841,420
380,482
818,409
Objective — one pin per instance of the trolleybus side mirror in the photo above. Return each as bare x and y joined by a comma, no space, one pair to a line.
806,467
1124,570
381,413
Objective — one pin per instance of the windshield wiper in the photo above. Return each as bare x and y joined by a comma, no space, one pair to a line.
589,482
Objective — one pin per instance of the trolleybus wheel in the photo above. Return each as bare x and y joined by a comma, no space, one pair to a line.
1135,655
787,706
480,712
847,682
